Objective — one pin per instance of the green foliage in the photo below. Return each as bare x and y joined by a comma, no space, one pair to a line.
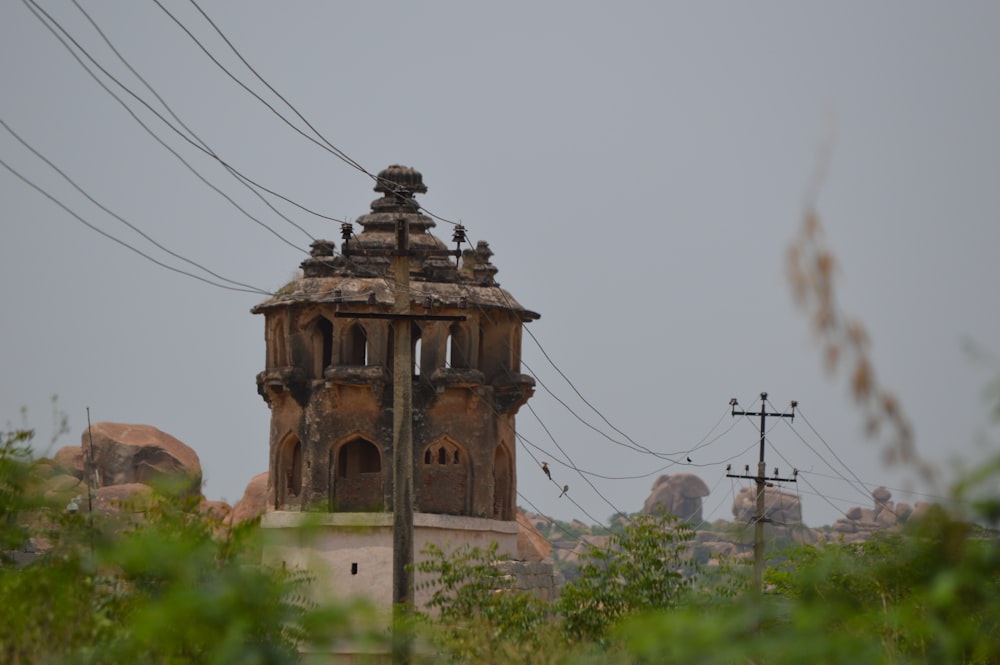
645,567
15,480
476,614
725,581
166,585
187,599
928,595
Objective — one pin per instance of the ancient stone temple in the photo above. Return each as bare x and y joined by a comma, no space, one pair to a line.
328,377
329,372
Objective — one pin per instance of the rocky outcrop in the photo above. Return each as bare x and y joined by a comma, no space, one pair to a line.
531,544
61,488
860,523
70,459
254,501
125,499
126,462
218,511
779,507
679,495
722,539
123,454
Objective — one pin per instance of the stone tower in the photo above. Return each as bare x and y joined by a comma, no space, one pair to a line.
328,374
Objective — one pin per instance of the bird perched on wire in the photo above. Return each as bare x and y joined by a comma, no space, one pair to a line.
565,489
545,468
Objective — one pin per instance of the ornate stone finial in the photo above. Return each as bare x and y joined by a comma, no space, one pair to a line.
402,180
483,269
398,184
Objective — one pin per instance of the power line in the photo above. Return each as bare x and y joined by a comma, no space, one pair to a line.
37,11
833,452
822,496
327,144
717,506
580,395
928,495
555,522
83,221
634,446
123,220
573,466
864,491
565,492
201,145
702,443
333,151
340,153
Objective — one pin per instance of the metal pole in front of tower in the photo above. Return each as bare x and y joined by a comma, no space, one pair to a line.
402,448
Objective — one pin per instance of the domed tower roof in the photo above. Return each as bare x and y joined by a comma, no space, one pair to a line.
361,272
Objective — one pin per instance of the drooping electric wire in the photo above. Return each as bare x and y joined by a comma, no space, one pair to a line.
201,144
107,235
246,287
38,12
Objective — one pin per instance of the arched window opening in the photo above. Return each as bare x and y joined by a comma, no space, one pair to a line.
445,479
358,456
354,349
325,330
481,356
276,348
289,476
458,346
515,349
417,349
503,484
356,484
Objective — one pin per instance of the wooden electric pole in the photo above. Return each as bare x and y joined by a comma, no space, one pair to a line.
402,420
402,425
763,481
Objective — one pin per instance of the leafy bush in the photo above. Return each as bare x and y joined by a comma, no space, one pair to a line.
476,614
160,588
644,567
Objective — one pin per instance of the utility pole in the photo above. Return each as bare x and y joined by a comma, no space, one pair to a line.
763,481
402,416
402,425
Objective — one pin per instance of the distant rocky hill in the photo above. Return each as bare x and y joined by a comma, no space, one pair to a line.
125,461
682,495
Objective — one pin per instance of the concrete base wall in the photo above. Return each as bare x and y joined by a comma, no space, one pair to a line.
351,553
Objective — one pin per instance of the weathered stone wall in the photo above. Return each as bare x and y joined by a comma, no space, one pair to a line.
455,411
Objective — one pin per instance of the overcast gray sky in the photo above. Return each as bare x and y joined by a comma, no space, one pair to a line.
639,169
